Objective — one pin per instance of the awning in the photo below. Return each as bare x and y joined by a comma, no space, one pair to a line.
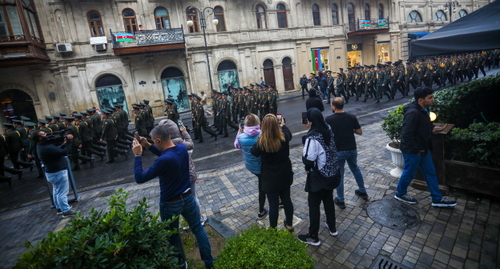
418,35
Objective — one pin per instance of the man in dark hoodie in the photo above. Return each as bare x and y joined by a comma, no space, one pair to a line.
314,101
416,146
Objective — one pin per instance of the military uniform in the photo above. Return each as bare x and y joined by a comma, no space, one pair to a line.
109,134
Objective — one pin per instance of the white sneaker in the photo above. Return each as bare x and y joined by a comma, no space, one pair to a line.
331,233
203,220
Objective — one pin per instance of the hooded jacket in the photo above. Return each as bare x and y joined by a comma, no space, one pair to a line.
179,137
417,130
245,141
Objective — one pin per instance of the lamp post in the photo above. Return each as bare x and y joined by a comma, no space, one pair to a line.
451,7
203,24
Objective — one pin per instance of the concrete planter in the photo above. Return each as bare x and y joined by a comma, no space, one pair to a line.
480,179
397,159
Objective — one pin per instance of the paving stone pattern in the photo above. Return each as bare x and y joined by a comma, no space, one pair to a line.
464,237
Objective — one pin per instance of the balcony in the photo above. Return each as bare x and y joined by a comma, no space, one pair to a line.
19,50
148,41
364,27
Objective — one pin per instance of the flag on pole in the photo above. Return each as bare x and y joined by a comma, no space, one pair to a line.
316,60
365,23
382,22
127,37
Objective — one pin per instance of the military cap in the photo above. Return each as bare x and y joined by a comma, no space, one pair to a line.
56,116
48,118
29,124
62,114
90,110
223,93
168,102
105,111
119,104
24,118
190,95
251,85
68,118
42,121
341,69
198,98
6,124
84,113
135,108
248,90
388,63
145,101
17,121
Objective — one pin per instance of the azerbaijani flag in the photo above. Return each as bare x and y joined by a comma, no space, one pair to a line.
365,23
316,60
127,37
382,22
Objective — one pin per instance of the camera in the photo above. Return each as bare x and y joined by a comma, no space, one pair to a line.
242,124
304,118
57,137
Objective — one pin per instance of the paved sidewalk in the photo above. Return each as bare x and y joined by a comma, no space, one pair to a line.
464,237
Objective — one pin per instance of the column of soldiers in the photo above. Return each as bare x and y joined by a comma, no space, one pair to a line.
388,79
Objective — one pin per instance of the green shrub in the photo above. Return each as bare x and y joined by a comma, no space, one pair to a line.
119,238
264,249
478,144
393,125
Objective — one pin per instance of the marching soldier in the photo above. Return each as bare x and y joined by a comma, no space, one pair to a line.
57,121
151,122
14,146
273,100
201,120
140,122
169,111
109,134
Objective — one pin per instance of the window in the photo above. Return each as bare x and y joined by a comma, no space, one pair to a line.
219,15
129,20
380,11
192,15
11,28
162,19
316,19
461,13
414,16
260,11
367,12
440,16
351,17
335,14
281,12
95,23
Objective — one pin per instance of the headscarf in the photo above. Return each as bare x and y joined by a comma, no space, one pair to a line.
318,124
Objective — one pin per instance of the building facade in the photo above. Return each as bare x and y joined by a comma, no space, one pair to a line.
69,55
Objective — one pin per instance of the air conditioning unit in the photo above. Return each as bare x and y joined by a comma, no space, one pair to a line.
100,47
64,47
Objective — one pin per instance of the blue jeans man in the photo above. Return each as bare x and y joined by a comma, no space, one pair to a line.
187,208
349,156
59,181
424,161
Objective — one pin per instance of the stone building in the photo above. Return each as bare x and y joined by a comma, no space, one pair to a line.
68,55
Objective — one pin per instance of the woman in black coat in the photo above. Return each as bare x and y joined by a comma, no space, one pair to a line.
277,175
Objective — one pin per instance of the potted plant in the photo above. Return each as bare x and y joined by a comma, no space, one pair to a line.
393,127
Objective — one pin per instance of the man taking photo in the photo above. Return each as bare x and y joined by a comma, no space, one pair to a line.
56,169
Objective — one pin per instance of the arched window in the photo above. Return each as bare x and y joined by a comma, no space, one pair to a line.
414,16
380,11
440,16
129,20
367,12
316,18
281,12
461,13
260,12
219,15
95,23
351,17
335,14
11,15
174,86
227,74
192,15
109,91
162,19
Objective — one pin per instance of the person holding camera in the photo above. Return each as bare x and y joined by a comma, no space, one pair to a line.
56,169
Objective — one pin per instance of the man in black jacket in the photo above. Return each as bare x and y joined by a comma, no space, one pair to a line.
314,101
56,169
416,146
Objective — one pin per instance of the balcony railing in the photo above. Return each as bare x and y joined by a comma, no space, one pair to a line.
147,41
373,24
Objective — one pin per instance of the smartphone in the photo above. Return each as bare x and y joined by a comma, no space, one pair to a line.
279,116
179,122
137,136
242,124
304,118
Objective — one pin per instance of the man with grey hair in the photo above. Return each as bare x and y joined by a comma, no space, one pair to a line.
172,169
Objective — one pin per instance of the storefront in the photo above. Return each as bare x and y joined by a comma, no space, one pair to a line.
354,54
383,52
320,59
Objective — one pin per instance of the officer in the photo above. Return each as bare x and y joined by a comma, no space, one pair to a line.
31,149
170,112
86,139
340,87
201,120
76,143
3,153
273,100
139,122
109,134
57,121
19,126
224,113
42,125
151,123
13,145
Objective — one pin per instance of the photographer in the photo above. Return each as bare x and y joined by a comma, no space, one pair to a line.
56,169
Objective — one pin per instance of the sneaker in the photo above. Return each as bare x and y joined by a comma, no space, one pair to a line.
309,239
59,211
281,205
444,203
203,220
331,233
68,213
406,198
261,216
361,194
339,203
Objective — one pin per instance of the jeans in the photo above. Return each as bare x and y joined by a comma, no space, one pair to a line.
196,201
314,201
187,208
273,198
412,162
59,181
351,156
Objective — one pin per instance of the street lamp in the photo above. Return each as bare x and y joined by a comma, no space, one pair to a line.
203,24
451,7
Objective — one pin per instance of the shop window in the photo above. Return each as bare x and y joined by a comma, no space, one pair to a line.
440,16
219,15
95,23
414,16
162,19
129,20
316,17
261,17
281,12
335,14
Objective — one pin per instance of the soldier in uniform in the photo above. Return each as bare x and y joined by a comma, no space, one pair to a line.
273,100
76,142
3,153
169,111
13,143
360,87
340,87
201,120
109,134
31,152
86,139
329,86
314,83
57,121
151,123
139,122
18,125
42,125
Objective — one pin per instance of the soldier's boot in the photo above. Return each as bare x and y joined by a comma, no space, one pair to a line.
97,149
101,144
18,172
7,179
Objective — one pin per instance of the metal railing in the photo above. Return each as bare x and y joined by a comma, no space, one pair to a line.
149,37
373,24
